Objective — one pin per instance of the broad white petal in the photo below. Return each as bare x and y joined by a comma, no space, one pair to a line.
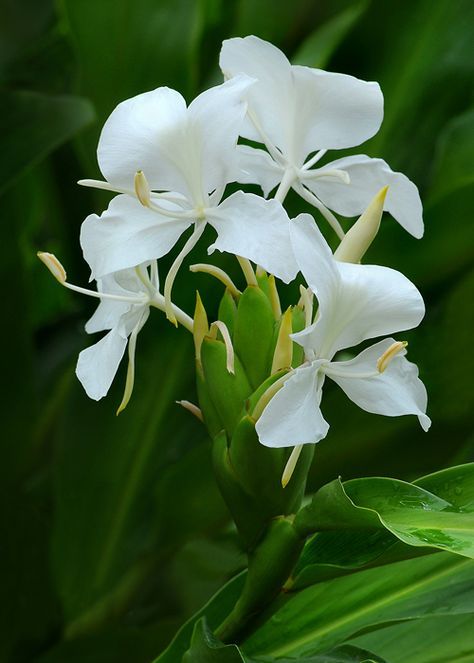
257,167
145,133
293,415
368,176
254,228
270,99
98,364
215,120
127,234
109,312
300,109
395,392
356,302
333,111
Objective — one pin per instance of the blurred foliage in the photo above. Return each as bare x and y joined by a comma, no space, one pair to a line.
112,530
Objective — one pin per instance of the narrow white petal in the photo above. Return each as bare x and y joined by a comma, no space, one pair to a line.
367,177
257,167
215,120
270,100
395,392
293,416
257,229
98,364
127,234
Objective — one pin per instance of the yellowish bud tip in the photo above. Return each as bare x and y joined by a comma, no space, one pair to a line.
384,360
190,407
142,188
356,242
284,346
201,325
54,266
291,465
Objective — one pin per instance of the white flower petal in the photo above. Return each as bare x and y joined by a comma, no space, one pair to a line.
188,150
142,133
293,416
368,176
107,315
215,120
127,234
257,167
269,99
254,228
333,111
300,109
356,302
98,364
395,392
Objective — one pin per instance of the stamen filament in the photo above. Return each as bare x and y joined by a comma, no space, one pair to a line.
219,274
291,465
247,269
190,407
288,178
307,195
182,318
274,151
187,248
330,172
222,327
314,159
139,299
132,344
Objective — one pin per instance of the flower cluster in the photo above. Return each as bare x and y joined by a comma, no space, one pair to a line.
269,123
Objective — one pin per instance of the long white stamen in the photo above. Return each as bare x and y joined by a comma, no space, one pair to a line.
334,173
330,370
291,465
187,248
182,318
274,151
59,273
132,344
247,269
173,214
190,407
288,178
219,274
328,215
314,159
222,327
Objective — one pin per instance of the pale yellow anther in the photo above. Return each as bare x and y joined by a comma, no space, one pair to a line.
222,328
200,327
356,242
274,297
54,266
284,346
384,360
142,188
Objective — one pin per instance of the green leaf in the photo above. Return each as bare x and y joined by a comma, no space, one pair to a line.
448,639
319,47
206,648
325,615
214,611
416,516
344,654
454,160
33,125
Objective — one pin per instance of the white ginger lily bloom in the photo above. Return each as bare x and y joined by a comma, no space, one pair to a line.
356,302
299,113
172,163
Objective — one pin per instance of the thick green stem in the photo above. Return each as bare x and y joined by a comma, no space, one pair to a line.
270,565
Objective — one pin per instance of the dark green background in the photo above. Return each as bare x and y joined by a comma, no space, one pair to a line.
112,530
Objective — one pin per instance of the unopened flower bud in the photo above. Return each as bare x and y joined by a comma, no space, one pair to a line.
201,325
356,242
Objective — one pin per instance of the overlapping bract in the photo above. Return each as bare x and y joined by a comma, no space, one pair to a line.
170,165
